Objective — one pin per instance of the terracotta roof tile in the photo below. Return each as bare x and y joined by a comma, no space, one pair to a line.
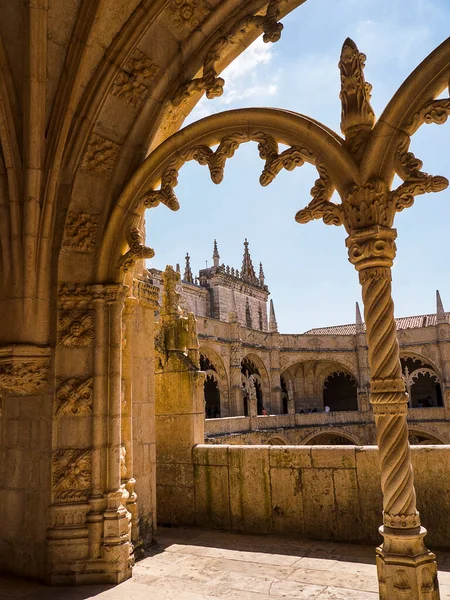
402,323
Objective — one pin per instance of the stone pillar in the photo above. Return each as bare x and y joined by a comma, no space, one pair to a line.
116,545
363,364
236,395
405,567
179,408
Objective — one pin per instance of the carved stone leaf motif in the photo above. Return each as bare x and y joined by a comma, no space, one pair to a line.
415,181
71,474
436,111
320,206
210,82
357,116
76,327
23,378
81,230
100,155
215,161
74,397
137,249
132,84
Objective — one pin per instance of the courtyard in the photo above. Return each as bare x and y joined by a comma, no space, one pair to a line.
198,564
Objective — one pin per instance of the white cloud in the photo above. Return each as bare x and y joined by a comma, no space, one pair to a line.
246,78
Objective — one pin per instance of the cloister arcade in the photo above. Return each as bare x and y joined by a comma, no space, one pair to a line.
99,426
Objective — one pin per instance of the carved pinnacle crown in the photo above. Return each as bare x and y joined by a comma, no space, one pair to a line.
355,91
247,272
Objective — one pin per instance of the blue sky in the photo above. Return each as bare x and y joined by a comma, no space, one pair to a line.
310,279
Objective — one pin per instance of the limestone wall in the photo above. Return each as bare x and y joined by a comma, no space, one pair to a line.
321,492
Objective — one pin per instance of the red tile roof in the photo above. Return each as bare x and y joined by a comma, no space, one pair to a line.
402,323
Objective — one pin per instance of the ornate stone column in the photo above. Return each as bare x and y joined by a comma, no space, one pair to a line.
405,567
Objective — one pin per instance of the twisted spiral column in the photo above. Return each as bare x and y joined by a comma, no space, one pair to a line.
372,252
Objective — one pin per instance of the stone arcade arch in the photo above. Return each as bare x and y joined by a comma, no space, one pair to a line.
71,247
340,392
330,437
217,372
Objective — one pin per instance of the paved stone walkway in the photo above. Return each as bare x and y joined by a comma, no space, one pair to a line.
193,564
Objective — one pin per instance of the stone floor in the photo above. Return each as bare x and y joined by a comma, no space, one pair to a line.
194,564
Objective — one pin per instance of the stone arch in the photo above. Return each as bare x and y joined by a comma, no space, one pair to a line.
221,377
422,380
262,377
422,437
326,436
340,391
278,440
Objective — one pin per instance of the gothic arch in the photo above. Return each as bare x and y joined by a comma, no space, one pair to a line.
238,126
422,437
221,377
278,440
263,375
320,437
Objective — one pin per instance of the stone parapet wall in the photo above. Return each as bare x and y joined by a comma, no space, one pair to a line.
319,492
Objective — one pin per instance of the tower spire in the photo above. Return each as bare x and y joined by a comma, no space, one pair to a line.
187,270
261,274
359,321
440,312
215,255
247,272
273,325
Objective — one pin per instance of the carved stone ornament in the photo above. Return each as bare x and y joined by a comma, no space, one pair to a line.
74,397
71,474
133,82
80,231
210,82
24,377
188,14
76,327
137,249
100,155
215,160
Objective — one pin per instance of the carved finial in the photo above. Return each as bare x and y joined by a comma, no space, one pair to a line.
357,113
261,274
232,315
273,325
215,255
177,268
440,312
359,321
170,297
187,270
247,272
137,250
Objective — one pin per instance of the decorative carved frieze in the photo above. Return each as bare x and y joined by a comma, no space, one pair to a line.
133,82
71,474
146,293
74,397
81,230
24,377
188,14
100,155
76,327
215,161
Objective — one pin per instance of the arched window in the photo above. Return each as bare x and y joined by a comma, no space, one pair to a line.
248,316
422,383
248,368
211,388
340,392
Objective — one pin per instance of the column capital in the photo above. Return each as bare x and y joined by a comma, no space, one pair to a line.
372,247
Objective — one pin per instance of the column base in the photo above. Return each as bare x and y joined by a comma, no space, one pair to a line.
406,568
